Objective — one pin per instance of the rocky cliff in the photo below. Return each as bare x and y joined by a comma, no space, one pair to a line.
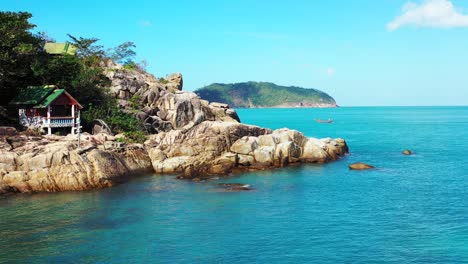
191,137
160,103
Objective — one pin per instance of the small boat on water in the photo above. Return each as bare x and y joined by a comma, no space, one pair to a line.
324,121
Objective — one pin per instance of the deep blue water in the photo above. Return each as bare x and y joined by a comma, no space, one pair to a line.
412,209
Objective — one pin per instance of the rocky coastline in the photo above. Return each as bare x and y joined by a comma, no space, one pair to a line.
189,137
211,149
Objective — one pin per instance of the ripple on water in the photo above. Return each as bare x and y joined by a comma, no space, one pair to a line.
410,209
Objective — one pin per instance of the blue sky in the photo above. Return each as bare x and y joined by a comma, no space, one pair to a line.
386,52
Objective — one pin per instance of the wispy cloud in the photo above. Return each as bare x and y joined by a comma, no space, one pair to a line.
330,71
145,23
430,13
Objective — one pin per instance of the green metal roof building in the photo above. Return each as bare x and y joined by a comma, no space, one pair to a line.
60,48
47,107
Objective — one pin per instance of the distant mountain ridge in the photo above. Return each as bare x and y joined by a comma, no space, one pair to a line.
264,95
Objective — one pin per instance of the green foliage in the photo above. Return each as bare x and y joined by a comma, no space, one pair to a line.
90,53
118,121
18,47
135,101
23,62
135,136
124,53
84,82
87,47
130,65
261,94
163,81
59,70
89,87
136,66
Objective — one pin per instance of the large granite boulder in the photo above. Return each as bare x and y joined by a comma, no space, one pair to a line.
195,150
51,164
174,81
217,148
100,126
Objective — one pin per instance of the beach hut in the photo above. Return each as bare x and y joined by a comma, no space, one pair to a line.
47,107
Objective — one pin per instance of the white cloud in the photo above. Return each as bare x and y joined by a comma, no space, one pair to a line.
330,72
145,23
430,13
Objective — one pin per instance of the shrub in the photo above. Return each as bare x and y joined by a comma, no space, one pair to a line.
163,81
135,137
118,120
131,66
135,101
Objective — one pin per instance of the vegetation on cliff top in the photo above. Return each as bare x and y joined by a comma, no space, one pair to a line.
24,62
264,94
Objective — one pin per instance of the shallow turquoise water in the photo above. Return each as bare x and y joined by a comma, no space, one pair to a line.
413,209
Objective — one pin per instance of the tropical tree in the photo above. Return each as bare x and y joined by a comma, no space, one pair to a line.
18,49
124,53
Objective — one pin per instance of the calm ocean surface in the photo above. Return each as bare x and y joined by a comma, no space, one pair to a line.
413,209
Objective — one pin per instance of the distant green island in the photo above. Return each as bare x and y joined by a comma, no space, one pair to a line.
264,94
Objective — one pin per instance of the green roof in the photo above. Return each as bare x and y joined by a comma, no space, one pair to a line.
33,95
60,48
40,96
50,98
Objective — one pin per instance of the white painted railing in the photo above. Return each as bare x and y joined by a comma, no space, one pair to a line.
59,122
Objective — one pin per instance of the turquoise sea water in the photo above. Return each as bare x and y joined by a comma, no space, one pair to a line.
412,209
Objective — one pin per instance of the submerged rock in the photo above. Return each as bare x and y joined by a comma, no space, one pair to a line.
407,152
235,186
360,166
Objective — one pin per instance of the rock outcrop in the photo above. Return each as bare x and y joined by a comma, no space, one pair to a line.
48,164
218,148
360,166
235,187
7,131
211,148
160,103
